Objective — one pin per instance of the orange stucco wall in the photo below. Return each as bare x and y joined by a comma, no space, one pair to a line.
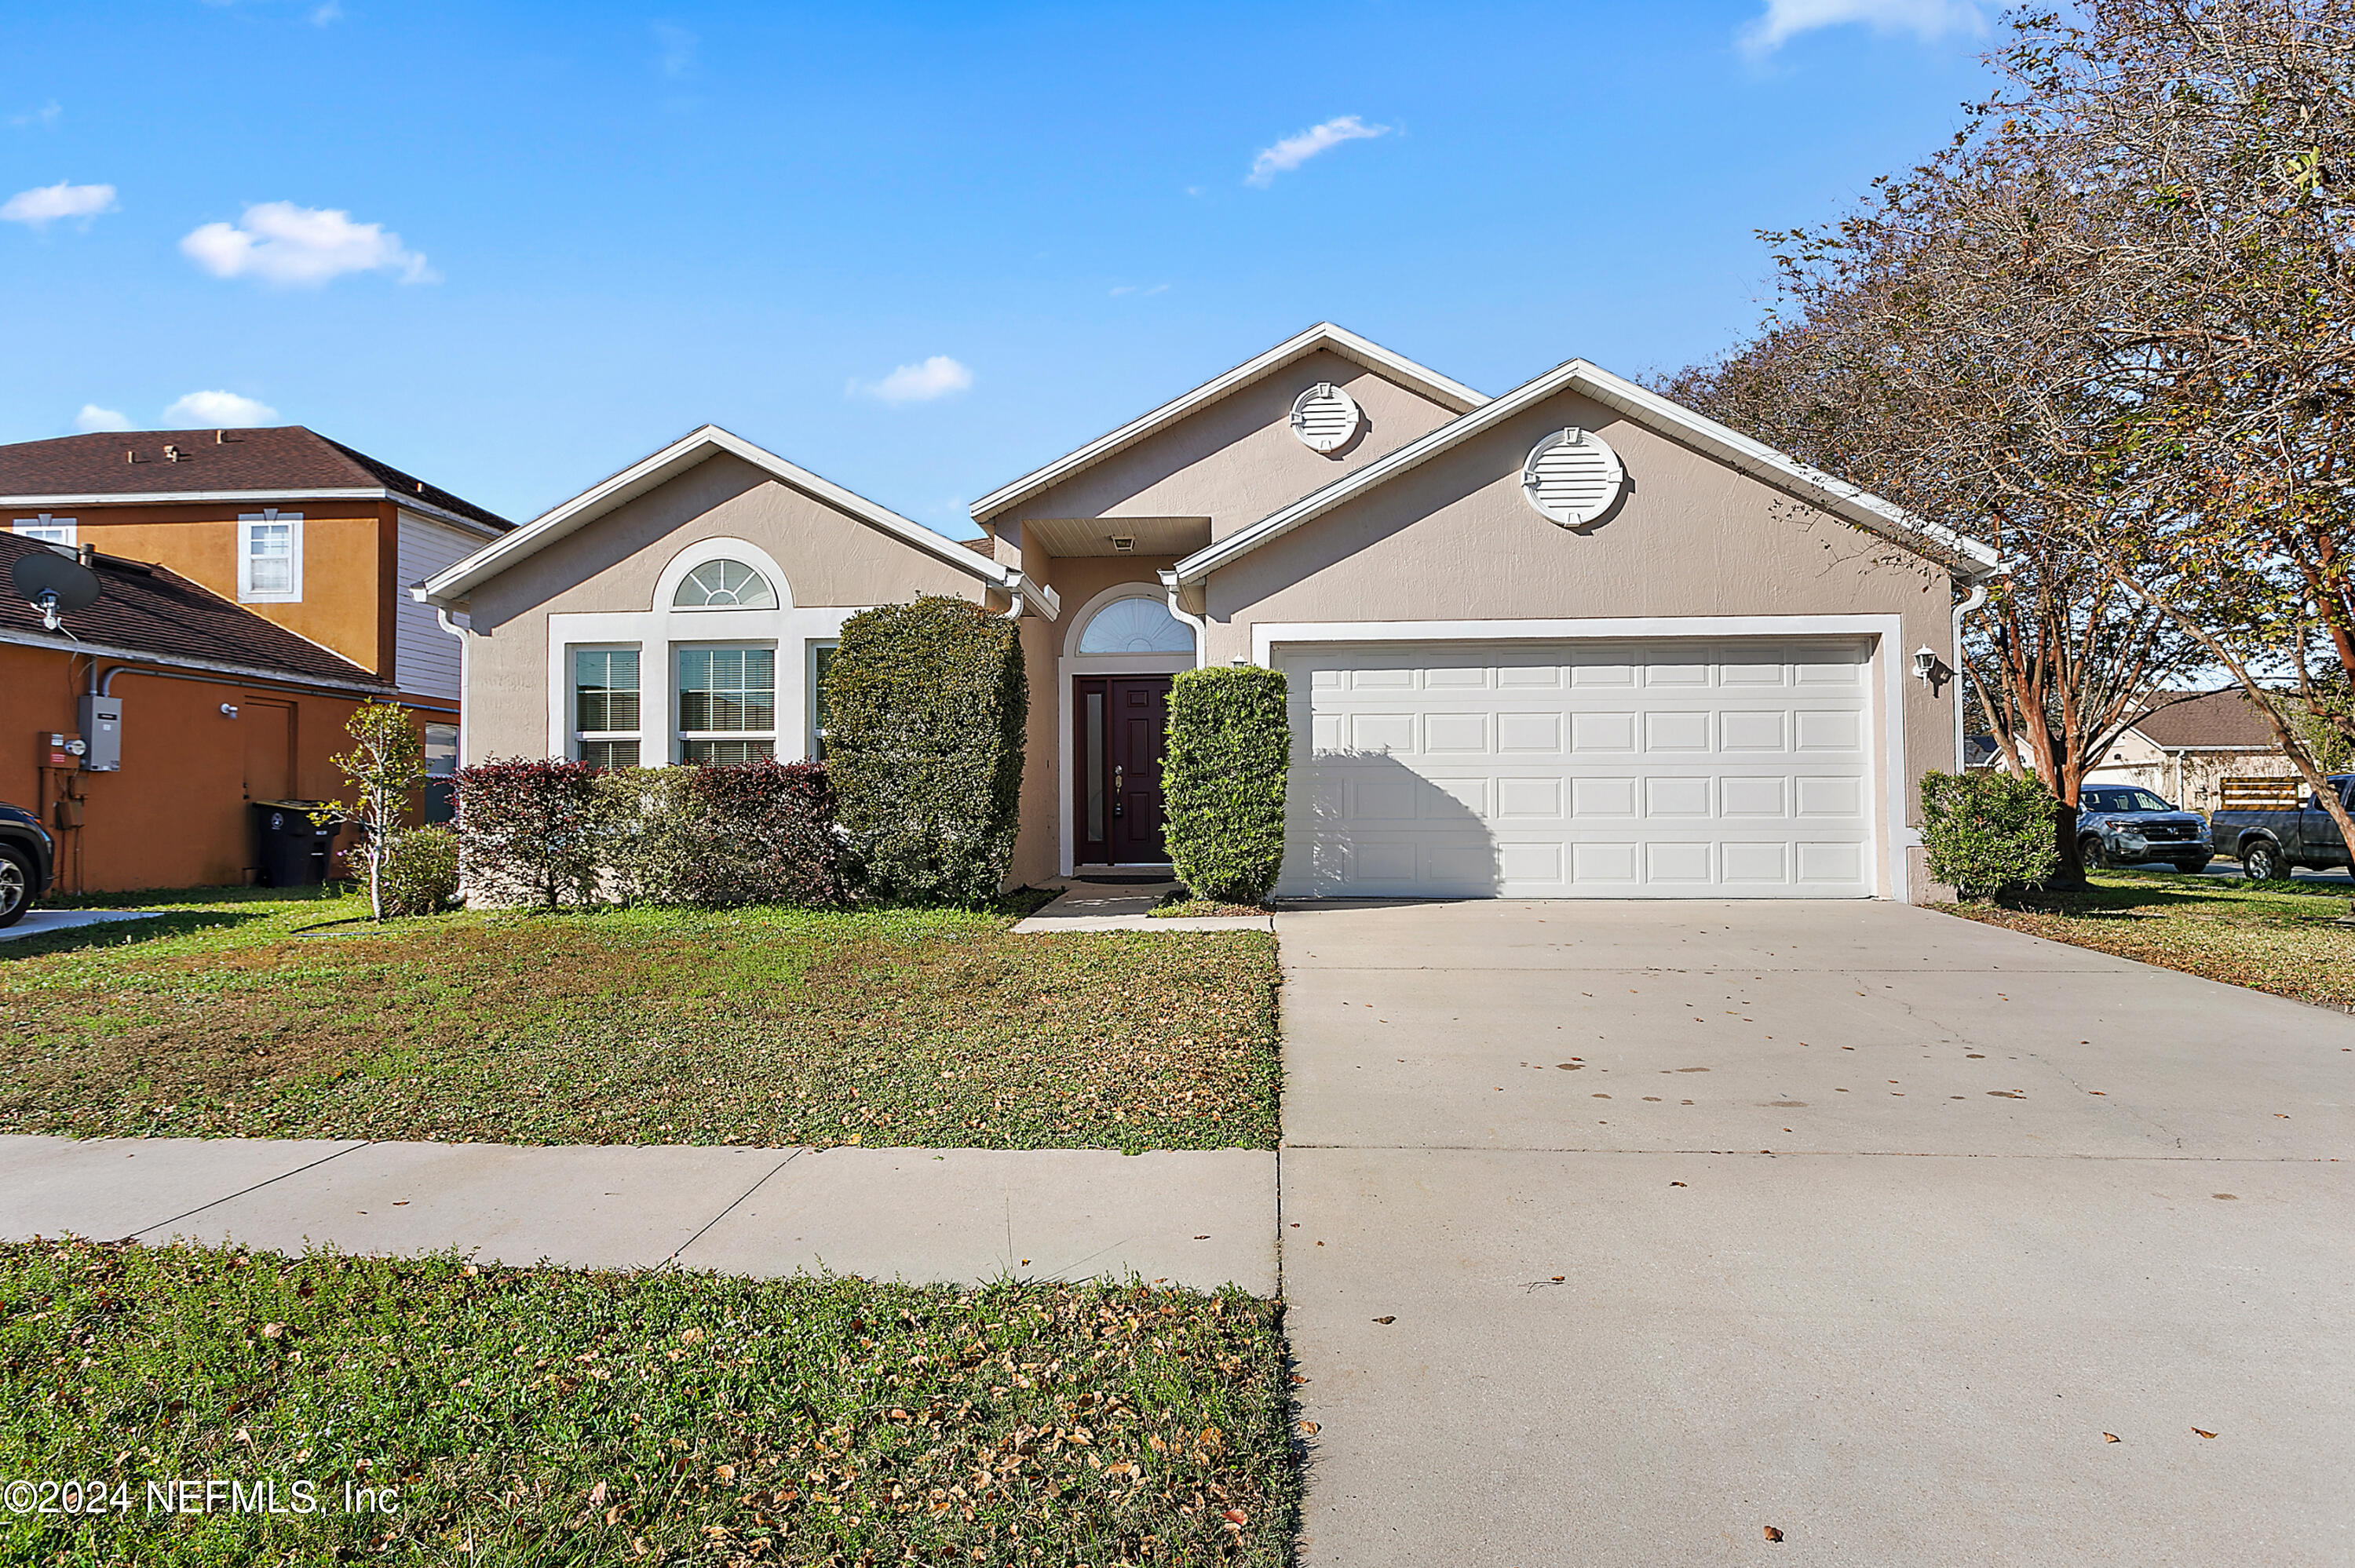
348,564
174,816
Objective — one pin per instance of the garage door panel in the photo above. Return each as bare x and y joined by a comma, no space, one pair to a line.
1721,768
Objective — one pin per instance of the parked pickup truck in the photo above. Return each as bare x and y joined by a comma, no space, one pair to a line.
2270,840
2120,825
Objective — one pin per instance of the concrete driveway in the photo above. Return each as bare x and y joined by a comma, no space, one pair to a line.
1618,1233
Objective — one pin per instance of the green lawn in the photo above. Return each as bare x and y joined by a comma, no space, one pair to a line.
2279,937
245,1014
545,1416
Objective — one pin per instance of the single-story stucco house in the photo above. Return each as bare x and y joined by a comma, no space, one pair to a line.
1572,641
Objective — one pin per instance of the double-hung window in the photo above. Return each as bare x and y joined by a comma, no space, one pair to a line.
269,556
47,529
727,704
605,707
821,659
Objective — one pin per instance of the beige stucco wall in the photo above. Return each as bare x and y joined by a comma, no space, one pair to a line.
1456,540
1237,460
828,557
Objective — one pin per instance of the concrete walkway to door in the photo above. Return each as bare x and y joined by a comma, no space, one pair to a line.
1619,1233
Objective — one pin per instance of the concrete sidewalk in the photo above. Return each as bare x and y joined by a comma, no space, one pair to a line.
1626,1231
1126,907
44,922
949,1215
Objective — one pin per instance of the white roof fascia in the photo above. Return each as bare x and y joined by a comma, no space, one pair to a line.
256,673
450,586
1645,407
1323,334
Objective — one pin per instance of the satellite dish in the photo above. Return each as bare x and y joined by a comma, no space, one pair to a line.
54,583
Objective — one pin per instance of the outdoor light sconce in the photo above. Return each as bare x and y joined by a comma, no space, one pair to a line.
1928,666
228,710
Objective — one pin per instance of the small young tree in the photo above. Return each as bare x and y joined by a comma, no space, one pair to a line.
385,763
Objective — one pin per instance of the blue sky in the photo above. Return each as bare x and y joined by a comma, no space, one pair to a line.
919,249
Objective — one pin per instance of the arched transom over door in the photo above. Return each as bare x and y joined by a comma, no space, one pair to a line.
1136,626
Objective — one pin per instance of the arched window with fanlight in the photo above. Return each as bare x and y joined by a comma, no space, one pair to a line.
724,585
1136,626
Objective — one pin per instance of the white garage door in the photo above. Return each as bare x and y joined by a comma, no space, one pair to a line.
1657,769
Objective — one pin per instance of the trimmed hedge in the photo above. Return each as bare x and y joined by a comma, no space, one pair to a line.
1230,746
723,834
1988,831
534,831
926,709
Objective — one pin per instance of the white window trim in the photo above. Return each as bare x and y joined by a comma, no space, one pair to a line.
810,747
778,706
575,737
1884,632
245,590
54,530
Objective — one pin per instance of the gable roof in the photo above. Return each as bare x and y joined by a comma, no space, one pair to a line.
1449,394
146,609
454,583
1966,556
2207,719
279,463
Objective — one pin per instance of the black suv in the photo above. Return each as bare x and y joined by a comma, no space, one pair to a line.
28,855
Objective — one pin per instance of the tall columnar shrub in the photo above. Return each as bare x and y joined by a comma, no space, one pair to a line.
1222,781
535,832
925,706
738,832
1988,831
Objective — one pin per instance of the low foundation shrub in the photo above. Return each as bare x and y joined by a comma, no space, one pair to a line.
727,833
1230,745
419,874
1988,831
535,830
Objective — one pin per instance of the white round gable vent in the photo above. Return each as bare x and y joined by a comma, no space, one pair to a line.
1325,418
1572,477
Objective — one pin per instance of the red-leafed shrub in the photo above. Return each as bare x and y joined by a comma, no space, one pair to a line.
736,832
535,832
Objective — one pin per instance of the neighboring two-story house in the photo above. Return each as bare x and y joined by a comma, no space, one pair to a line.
253,530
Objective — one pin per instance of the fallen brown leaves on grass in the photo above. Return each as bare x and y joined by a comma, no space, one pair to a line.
2267,938
634,1026
555,1416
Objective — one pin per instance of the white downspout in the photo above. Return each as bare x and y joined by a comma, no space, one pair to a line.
465,707
1200,623
1978,597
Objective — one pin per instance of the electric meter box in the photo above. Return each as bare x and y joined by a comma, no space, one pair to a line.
102,733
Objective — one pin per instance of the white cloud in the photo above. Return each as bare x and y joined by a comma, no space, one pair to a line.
1133,289
1926,19
279,242
93,419
326,14
44,204
1296,150
46,116
675,52
935,378
199,409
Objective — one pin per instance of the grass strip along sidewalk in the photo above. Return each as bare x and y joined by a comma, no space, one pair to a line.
243,1014
548,1416
2279,937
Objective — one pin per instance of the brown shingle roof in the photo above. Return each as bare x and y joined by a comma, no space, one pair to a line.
285,457
148,609
2212,718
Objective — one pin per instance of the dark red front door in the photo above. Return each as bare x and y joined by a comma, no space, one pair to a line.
1117,725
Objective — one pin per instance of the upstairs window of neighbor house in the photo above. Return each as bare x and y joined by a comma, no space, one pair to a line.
269,556
43,528
605,709
727,704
